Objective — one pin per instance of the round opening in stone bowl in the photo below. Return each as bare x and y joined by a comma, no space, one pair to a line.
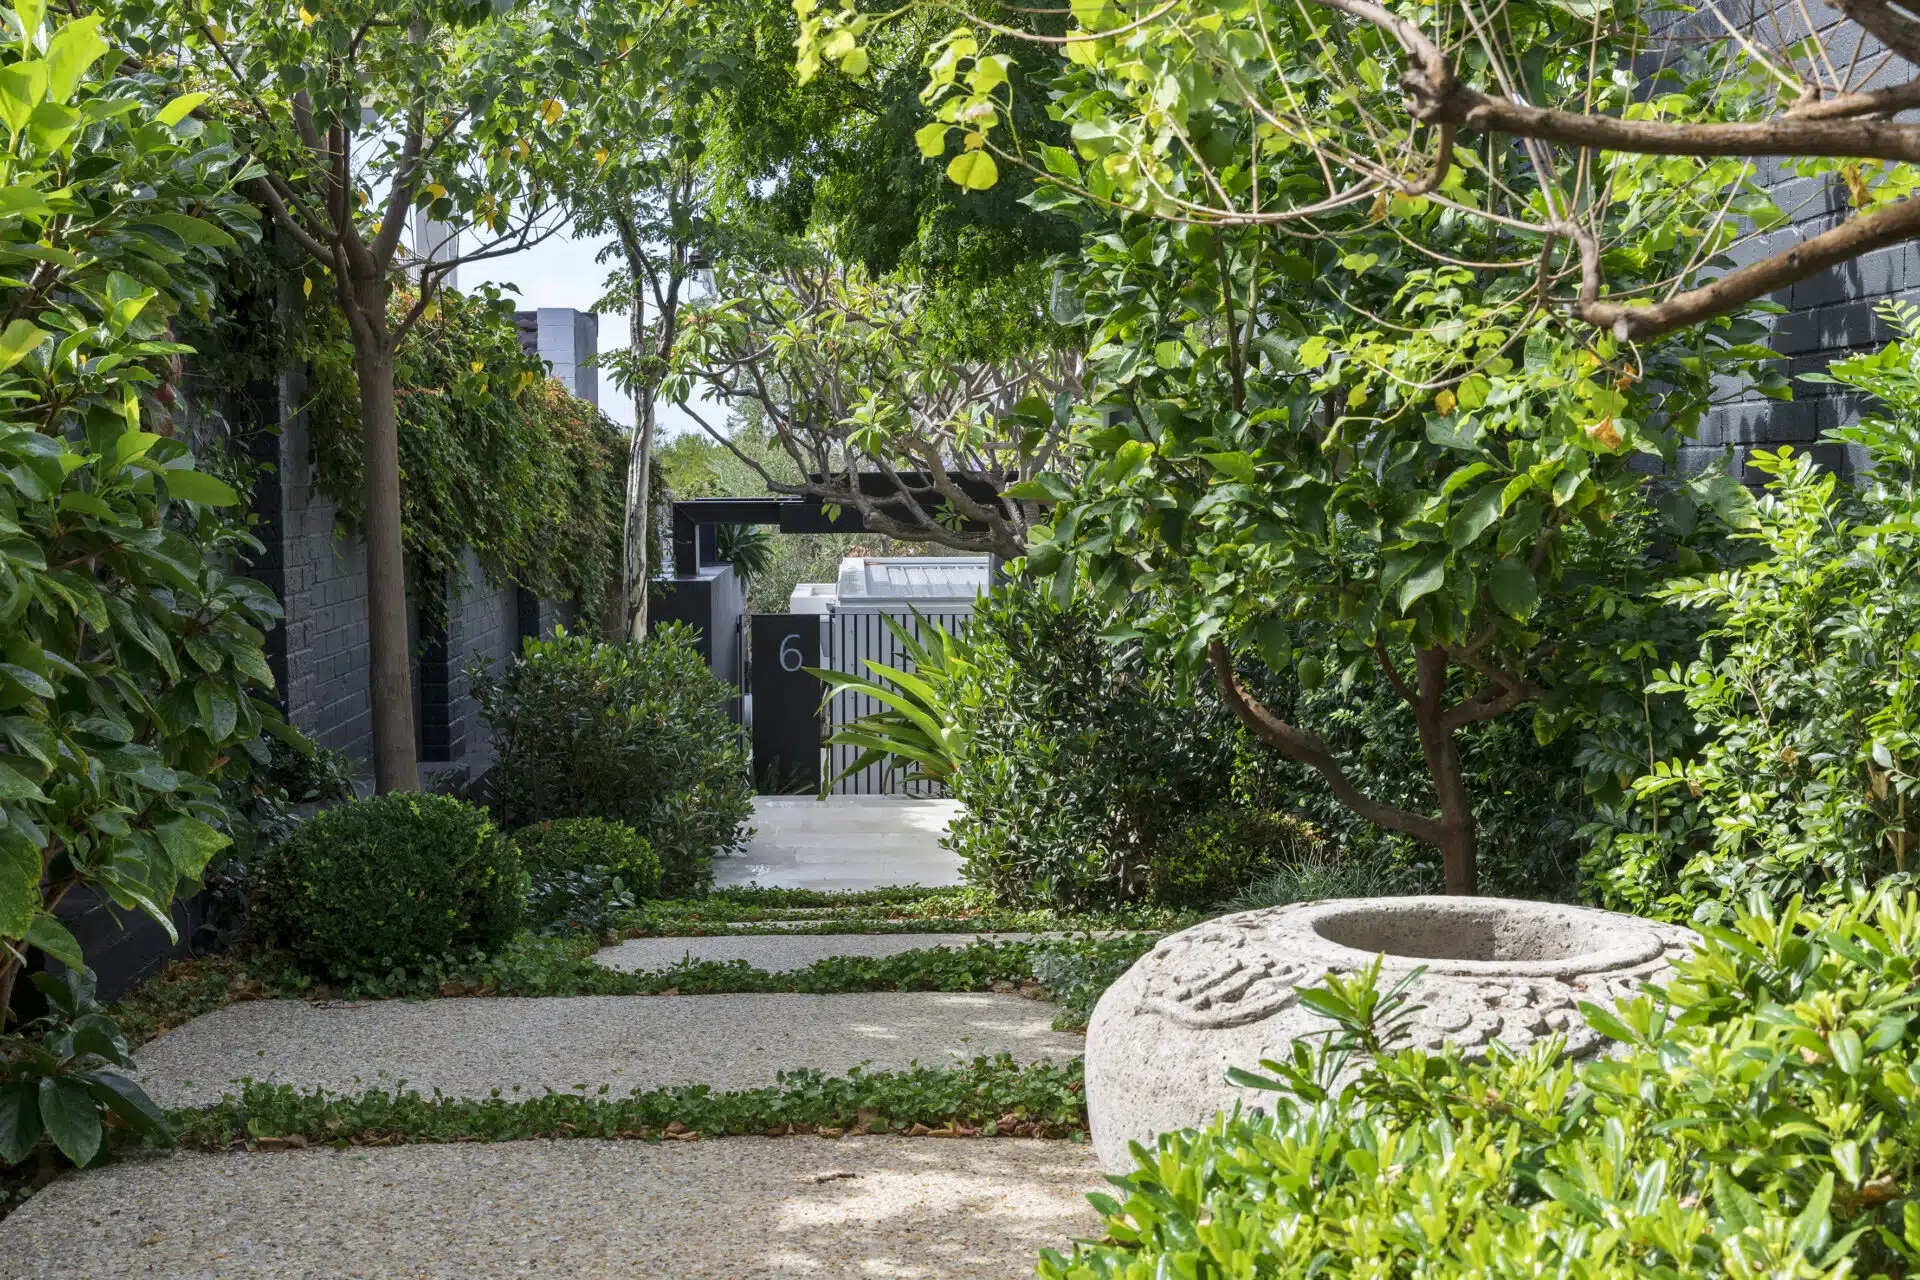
1485,936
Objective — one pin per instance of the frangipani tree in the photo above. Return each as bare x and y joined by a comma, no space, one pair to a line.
850,378
367,117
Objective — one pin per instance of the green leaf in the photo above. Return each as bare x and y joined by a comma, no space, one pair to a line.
1425,580
1848,1053
54,938
128,1101
199,487
19,341
931,139
15,785
192,230
1238,466
1811,1228
974,170
176,111
1513,589
22,87
20,1127
1061,163
77,47
190,843
1476,515
72,1118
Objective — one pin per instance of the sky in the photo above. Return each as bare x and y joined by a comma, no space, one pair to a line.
561,272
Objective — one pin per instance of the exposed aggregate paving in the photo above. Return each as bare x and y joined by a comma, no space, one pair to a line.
779,954
468,1047
738,1208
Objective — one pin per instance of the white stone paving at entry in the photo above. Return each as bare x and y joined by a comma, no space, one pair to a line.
844,842
732,1209
783,954
468,1047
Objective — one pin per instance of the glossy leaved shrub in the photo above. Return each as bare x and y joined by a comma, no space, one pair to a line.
396,882
1761,1118
581,844
633,733
1805,777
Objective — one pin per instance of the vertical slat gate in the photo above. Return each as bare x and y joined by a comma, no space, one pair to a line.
853,637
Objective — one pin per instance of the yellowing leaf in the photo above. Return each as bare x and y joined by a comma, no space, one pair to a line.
306,286
974,170
931,139
1605,433
478,365
435,190
1445,402
306,19
551,110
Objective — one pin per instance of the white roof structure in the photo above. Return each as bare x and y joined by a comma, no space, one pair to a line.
892,584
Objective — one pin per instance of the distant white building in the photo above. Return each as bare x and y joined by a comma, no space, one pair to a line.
567,340
897,584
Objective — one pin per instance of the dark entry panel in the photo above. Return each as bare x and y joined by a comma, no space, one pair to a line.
786,702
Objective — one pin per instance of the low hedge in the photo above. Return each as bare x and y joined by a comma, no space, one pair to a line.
397,882
582,844
1761,1118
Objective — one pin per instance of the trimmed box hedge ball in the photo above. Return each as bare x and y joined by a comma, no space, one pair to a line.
393,882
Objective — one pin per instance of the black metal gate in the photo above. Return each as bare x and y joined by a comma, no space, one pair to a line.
786,703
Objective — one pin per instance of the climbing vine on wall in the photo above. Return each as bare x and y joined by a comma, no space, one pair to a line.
494,455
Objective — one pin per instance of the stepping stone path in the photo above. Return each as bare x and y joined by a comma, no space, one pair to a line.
852,1209
470,1047
740,1208
783,955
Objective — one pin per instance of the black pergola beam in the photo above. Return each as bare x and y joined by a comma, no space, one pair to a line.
806,515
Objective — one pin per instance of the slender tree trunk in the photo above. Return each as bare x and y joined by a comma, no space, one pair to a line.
395,753
1459,837
638,566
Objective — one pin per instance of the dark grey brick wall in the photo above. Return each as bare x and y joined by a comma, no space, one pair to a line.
323,585
1829,315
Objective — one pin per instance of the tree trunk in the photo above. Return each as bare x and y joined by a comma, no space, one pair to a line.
636,570
395,753
1459,837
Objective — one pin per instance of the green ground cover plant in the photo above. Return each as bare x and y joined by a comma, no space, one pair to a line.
543,966
1761,1117
985,1098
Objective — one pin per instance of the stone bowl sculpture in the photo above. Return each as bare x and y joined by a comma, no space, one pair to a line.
1226,994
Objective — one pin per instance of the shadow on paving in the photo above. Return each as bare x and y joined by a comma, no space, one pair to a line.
917,1209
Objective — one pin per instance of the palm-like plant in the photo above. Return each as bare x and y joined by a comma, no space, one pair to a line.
748,548
922,728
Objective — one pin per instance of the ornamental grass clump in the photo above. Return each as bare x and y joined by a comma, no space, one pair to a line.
395,883
1760,1117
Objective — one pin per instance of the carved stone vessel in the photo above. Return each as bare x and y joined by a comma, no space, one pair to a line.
1226,994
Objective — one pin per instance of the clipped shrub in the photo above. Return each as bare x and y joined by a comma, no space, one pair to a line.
1762,1118
582,844
1083,757
394,882
634,733
1215,855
